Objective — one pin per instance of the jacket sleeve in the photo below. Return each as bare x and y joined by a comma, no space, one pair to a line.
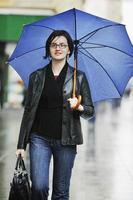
22,134
86,101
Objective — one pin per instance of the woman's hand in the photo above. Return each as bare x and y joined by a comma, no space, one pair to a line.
74,102
20,151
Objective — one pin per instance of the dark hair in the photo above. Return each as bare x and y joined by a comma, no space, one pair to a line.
55,34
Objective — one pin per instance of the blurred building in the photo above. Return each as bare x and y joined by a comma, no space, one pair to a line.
127,16
3,73
110,9
13,15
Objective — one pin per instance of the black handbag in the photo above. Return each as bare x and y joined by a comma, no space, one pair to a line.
20,185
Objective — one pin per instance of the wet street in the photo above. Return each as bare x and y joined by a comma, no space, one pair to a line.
103,168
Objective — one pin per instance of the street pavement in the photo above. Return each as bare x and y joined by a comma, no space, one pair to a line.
103,168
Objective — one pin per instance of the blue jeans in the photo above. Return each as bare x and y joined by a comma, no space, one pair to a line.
41,151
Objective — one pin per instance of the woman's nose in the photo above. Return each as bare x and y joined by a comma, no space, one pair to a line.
57,47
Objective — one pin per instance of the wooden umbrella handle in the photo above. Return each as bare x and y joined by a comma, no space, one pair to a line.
74,80
74,87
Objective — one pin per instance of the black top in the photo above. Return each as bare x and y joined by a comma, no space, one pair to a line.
48,119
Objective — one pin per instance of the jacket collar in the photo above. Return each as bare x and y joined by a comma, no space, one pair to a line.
41,73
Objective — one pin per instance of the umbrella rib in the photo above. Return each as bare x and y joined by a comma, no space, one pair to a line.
90,47
42,26
89,35
25,53
90,56
91,43
93,32
102,68
101,46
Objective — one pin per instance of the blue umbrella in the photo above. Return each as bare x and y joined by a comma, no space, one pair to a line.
102,50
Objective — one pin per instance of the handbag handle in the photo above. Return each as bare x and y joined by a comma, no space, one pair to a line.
20,163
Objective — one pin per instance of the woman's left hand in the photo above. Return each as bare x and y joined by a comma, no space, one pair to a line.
73,102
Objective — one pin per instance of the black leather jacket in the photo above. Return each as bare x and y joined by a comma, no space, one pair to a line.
71,127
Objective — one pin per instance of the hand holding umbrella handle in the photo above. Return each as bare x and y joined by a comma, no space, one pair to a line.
78,102
74,82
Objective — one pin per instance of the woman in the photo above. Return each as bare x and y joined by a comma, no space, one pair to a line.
51,120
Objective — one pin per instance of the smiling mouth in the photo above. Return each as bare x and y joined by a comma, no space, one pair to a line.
57,54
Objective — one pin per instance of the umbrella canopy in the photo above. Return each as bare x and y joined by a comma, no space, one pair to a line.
104,51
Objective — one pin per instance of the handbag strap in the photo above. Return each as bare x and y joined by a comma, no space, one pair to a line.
20,163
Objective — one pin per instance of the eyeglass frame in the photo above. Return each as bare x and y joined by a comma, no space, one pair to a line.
60,45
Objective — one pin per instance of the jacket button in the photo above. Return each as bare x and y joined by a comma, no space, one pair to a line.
64,91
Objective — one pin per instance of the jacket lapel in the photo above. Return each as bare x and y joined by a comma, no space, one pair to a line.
41,74
69,74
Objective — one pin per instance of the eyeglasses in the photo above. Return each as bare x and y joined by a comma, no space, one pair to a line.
61,45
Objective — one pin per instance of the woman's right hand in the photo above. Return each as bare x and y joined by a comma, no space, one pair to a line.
20,151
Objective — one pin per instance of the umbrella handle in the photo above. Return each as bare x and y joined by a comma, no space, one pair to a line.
74,86
78,103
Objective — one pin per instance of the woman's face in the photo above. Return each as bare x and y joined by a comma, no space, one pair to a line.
59,48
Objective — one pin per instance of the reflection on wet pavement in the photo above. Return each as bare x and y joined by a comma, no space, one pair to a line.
103,169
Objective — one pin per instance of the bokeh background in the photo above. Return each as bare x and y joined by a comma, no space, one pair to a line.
104,166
